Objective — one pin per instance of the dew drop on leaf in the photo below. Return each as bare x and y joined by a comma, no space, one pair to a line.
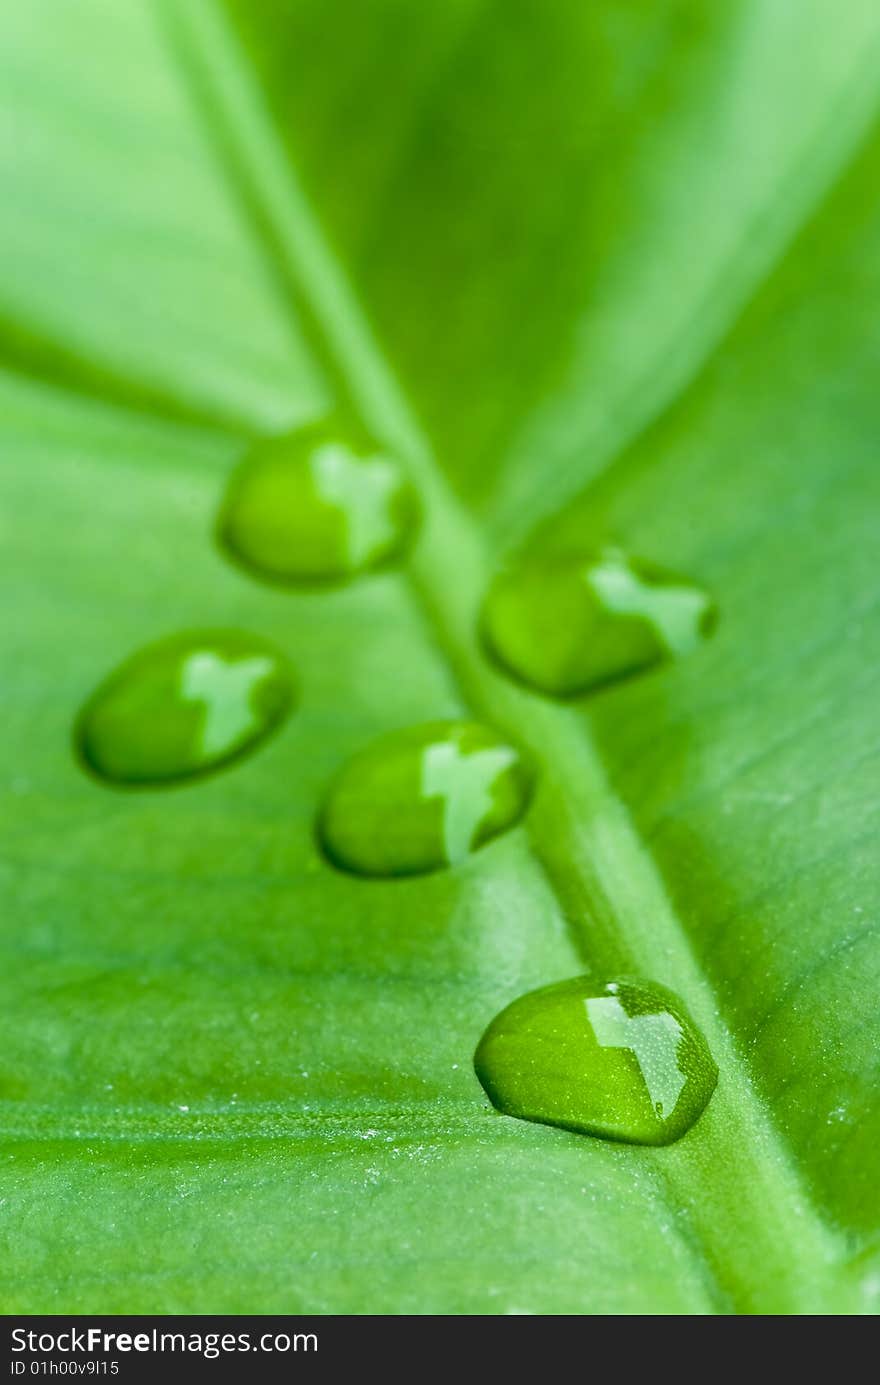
423,798
570,622
320,504
183,706
622,1060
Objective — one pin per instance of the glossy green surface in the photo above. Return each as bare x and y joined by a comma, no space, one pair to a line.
316,505
570,622
637,302
422,798
622,1060
183,706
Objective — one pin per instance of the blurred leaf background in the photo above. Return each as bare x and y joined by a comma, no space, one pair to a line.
592,270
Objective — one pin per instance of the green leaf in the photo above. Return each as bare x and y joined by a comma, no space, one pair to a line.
609,267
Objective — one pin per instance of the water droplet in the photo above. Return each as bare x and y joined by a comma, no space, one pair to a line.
422,798
571,622
318,504
183,706
624,1061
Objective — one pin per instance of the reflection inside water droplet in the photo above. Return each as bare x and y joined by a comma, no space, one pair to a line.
464,784
224,688
652,1038
675,612
362,490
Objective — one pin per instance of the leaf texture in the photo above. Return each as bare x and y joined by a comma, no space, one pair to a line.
635,300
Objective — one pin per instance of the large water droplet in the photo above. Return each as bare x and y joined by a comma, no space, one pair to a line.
623,1060
568,623
318,504
423,798
183,706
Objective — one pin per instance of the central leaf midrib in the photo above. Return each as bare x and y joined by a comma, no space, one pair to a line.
607,886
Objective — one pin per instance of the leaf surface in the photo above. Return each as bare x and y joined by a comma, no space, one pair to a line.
609,269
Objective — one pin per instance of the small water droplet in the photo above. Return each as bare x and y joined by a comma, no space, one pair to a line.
319,504
183,706
626,1063
422,798
568,623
